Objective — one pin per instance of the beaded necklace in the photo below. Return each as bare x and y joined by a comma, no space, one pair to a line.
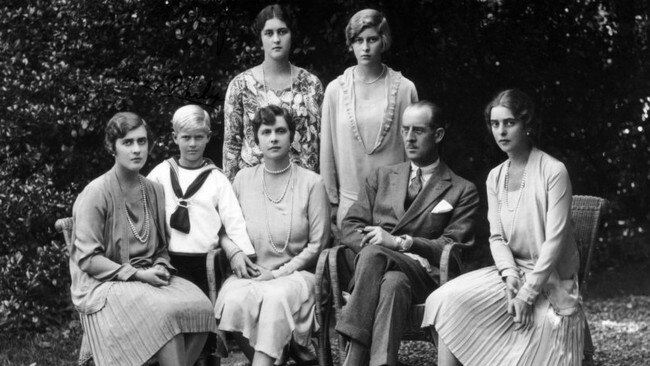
144,236
516,208
279,171
276,201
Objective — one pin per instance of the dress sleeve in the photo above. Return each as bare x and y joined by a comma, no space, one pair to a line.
557,230
90,216
503,258
318,212
231,215
309,140
328,146
233,128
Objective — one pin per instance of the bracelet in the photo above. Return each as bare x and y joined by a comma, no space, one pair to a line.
234,254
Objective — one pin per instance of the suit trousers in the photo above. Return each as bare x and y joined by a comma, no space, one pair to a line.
386,283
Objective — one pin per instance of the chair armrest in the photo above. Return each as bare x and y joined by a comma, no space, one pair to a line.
210,259
322,284
64,226
449,252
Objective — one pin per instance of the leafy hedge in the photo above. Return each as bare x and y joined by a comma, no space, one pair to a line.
67,65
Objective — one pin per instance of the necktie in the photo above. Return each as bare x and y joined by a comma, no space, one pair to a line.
414,188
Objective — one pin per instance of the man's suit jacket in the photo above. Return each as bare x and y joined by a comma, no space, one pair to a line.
381,203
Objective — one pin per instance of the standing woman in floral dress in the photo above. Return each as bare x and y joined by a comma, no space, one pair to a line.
362,113
275,81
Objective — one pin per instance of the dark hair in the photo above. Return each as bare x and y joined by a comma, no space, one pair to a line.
267,116
436,117
518,102
368,18
119,125
270,12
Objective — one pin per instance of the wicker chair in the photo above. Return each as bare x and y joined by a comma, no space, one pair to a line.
335,269
65,226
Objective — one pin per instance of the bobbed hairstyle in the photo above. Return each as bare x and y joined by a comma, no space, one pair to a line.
436,117
120,124
368,18
270,12
518,102
191,117
267,116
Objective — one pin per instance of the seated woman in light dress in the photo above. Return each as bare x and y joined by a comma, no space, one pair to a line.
132,307
362,113
287,217
275,81
524,310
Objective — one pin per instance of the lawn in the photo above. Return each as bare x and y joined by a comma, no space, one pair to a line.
618,309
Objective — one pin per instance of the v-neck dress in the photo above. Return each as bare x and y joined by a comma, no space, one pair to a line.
351,146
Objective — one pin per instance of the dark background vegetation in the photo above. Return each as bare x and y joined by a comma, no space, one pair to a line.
66,66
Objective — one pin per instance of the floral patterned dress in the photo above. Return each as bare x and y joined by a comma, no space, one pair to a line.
246,94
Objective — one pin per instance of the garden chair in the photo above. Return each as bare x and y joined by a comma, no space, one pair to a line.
335,269
215,279
586,212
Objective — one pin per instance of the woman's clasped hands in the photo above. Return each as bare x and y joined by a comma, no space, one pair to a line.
520,310
157,275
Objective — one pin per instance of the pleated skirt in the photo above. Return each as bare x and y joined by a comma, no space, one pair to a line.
470,315
138,319
269,313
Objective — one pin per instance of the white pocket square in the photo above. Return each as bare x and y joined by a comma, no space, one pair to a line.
442,207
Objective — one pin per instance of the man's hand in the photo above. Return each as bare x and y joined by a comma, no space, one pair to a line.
375,235
242,266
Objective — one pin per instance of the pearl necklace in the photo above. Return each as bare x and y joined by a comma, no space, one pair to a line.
266,208
280,171
383,71
266,91
521,188
142,238
286,186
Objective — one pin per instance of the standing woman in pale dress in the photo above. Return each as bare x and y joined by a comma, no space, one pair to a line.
287,218
524,310
362,113
275,81
131,305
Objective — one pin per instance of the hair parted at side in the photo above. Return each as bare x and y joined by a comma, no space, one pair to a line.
191,117
368,18
267,116
273,11
436,117
518,102
119,125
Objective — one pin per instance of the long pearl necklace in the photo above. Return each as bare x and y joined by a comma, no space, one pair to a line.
141,237
383,71
266,91
268,197
521,188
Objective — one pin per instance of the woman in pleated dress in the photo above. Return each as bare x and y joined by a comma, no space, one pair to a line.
524,310
287,218
132,307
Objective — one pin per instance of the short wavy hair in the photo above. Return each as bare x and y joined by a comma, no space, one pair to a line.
368,18
267,115
518,102
120,124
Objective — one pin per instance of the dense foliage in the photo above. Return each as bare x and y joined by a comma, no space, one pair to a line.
67,65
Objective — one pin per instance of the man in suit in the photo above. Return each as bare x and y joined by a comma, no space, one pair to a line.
403,218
